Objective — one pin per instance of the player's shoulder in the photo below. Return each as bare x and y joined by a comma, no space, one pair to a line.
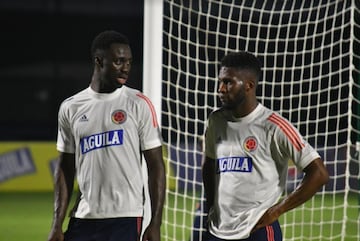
275,117
264,112
276,120
218,113
75,98
264,117
130,92
136,95
218,116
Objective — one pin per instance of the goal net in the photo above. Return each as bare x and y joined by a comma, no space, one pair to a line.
310,55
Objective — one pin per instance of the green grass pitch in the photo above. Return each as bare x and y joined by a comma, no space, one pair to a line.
27,216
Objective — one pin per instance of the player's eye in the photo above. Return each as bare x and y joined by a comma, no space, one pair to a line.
121,61
225,81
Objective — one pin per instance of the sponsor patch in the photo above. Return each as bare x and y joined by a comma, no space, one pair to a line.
101,140
234,164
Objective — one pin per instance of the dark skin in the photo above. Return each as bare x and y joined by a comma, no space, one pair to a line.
156,171
237,92
64,182
111,70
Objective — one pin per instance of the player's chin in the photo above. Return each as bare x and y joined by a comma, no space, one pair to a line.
225,104
121,81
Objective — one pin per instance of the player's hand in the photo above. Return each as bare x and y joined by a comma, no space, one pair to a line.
270,216
152,233
56,235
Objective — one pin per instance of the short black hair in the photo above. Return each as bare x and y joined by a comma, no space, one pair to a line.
104,39
242,60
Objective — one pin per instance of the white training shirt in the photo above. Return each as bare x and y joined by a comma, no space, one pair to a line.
106,132
251,155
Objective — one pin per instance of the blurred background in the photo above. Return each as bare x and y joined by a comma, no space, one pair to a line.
45,57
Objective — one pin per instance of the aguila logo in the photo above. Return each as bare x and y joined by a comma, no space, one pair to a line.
250,144
118,116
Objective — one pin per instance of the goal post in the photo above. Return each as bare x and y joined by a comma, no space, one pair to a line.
310,52
152,57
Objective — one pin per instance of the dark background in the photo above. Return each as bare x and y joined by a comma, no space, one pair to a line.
45,57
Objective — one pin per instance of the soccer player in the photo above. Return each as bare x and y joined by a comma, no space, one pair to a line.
102,133
247,149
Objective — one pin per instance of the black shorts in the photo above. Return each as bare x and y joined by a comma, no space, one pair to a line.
269,233
111,229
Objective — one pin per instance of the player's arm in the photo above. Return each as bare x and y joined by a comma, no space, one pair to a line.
156,178
316,175
64,181
208,175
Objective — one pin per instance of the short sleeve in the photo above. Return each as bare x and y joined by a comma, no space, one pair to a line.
149,130
65,138
209,139
292,144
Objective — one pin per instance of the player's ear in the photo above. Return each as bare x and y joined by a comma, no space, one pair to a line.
250,84
98,61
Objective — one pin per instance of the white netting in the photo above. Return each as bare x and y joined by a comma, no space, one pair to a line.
310,56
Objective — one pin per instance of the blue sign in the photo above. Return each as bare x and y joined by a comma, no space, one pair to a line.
16,163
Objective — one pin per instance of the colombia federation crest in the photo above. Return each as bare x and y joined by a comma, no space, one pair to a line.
250,144
118,116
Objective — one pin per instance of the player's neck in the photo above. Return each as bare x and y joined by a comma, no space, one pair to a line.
100,87
245,109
